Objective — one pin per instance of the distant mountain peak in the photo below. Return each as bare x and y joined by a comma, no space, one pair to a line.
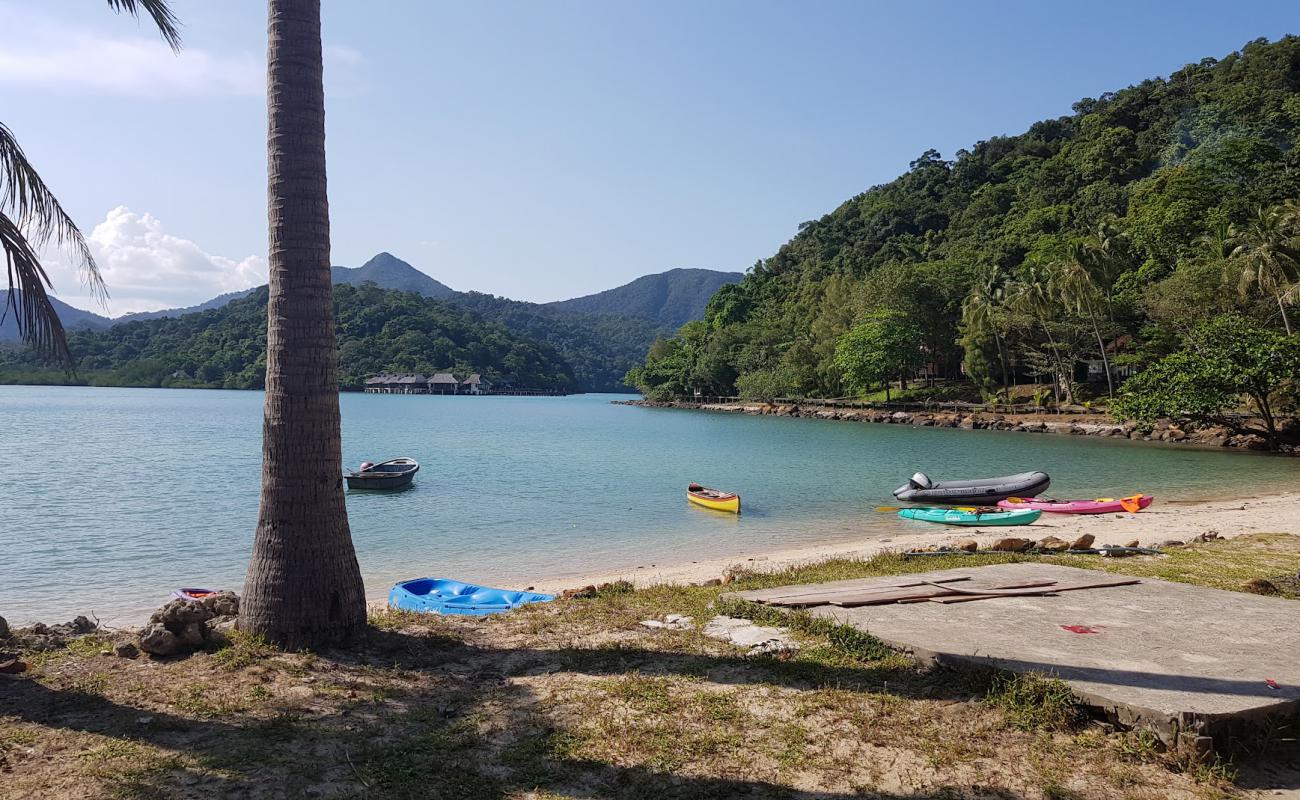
391,272
670,298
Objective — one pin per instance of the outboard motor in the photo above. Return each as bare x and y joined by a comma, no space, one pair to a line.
918,481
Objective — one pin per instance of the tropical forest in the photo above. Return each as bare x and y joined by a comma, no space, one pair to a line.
1141,254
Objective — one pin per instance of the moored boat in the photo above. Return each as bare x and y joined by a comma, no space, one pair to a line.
194,594
396,473
446,596
1102,505
972,517
920,489
713,498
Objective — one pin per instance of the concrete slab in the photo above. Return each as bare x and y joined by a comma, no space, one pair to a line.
1184,660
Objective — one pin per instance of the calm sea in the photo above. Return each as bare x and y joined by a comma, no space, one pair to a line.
113,497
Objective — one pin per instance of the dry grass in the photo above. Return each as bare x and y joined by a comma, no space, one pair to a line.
576,699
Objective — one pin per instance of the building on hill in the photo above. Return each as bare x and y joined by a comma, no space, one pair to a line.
475,384
443,383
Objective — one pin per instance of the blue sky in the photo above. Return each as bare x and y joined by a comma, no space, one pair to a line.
543,150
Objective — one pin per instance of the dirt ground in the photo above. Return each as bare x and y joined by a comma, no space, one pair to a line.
577,699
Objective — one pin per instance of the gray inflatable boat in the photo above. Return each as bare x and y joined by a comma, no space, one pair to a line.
920,489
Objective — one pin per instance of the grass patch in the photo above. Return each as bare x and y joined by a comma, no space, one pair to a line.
245,649
1220,564
88,646
1034,702
844,638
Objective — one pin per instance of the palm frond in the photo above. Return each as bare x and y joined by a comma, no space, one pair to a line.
38,322
33,208
168,25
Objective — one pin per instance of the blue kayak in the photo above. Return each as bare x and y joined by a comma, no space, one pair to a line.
445,596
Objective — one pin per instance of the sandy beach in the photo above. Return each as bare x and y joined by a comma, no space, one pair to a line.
1164,521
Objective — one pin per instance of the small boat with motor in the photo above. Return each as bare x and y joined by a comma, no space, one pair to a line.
446,596
396,473
714,499
983,516
920,489
1102,505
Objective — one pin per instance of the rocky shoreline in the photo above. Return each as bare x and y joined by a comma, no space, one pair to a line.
1168,431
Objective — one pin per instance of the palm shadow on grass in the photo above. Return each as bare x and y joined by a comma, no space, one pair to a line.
430,743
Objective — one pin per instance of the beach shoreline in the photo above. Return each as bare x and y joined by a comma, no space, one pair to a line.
1174,520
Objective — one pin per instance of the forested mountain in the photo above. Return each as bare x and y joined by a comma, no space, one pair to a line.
378,330
71,317
216,302
600,348
390,272
670,298
1109,233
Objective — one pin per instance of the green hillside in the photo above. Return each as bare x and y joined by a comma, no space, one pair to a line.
670,298
1146,212
378,330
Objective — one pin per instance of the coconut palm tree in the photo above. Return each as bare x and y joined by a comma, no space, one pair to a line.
1034,293
31,219
1078,282
303,588
1265,257
979,312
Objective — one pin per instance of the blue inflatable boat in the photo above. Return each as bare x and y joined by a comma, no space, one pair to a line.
445,596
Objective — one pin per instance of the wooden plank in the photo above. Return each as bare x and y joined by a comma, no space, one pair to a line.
1045,593
910,595
796,596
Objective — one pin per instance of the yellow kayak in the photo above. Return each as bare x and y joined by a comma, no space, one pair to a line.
713,498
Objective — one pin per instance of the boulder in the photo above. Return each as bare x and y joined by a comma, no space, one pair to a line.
156,640
1052,544
1083,542
1012,545
191,636
222,604
179,613
967,545
125,650
4,628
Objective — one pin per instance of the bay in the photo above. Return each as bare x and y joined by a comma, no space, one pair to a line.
115,496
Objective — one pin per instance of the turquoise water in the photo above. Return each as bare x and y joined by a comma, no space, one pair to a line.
115,496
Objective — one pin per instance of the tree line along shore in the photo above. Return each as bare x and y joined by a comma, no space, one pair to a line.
1141,253
1166,430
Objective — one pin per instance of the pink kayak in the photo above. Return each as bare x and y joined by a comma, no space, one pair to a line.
1102,505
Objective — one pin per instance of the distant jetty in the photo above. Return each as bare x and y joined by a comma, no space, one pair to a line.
447,383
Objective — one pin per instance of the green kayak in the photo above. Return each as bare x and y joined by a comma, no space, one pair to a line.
954,516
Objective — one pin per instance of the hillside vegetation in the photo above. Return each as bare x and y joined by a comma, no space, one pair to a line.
670,298
1110,234
378,330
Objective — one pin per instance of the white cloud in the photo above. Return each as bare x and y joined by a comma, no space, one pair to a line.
147,268
51,56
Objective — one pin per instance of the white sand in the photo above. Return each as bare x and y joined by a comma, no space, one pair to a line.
1163,521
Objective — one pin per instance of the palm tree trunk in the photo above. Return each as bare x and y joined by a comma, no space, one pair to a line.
1105,362
1286,322
303,587
1059,368
1002,361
